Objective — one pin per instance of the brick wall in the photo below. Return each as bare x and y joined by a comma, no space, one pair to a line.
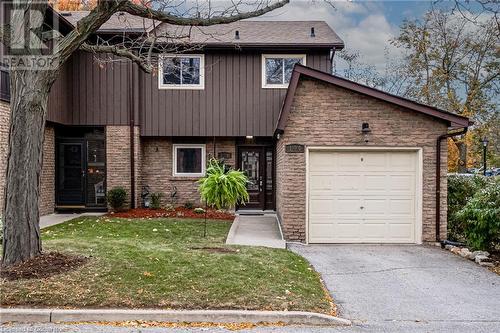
4,145
46,201
157,170
323,114
118,160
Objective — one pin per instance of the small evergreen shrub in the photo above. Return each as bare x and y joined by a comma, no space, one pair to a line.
189,205
116,198
156,200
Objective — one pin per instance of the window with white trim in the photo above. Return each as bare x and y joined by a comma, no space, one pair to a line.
277,69
181,71
189,160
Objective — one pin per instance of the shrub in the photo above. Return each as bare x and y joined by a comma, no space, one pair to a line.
116,197
223,187
481,217
460,190
189,205
156,200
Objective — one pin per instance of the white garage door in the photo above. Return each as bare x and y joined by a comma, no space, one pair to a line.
362,196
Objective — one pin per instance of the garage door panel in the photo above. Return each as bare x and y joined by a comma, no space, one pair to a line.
373,206
374,182
402,231
323,206
405,183
374,161
402,161
402,207
373,231
362,197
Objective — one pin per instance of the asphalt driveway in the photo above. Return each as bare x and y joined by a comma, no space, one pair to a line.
375,284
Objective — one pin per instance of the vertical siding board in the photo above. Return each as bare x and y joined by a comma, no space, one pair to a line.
229,96
209,87
216,96
237,95
223,95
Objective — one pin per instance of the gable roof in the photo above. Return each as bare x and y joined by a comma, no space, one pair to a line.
454,120
119,22
252,33
259,33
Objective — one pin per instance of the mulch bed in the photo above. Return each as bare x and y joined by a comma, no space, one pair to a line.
45,265
179,212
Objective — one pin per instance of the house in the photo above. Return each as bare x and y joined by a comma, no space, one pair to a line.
338,162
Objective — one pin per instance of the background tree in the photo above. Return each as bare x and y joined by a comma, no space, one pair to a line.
30,88
451,61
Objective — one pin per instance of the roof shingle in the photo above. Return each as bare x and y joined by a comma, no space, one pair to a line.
251,32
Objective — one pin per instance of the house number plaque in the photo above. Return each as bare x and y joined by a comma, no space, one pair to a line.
294,148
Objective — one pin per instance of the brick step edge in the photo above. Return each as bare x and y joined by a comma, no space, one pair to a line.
8,315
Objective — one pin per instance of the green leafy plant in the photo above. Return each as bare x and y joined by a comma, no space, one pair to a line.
116,197
461,189
189,205
156,200
481,217
223,187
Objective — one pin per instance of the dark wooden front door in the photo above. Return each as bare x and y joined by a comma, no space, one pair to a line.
257,164
70,173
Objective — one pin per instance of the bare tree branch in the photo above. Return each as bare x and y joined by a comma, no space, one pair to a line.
125,53
158,15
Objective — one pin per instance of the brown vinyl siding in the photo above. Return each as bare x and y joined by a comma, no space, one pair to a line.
233,102
87,94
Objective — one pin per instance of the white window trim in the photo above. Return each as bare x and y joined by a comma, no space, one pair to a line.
282,56
199,86
174,160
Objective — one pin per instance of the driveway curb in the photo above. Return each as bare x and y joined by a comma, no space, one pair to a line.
188,316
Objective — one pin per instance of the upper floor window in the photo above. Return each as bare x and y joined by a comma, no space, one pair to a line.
181,72
277,69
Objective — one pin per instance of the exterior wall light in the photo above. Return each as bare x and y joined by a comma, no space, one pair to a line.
249,137
365,128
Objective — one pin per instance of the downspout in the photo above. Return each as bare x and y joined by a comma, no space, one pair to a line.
438,177
132,138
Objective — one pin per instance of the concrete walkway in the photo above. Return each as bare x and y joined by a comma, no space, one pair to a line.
256,230
53,219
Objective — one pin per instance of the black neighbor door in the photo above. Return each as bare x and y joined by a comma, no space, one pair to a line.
257,163
252,164
70,172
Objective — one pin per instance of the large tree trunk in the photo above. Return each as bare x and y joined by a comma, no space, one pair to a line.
21,230
462,156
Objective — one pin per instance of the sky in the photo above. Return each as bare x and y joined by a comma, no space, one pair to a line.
365,26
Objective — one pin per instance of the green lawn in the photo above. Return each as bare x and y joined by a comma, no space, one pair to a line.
158,263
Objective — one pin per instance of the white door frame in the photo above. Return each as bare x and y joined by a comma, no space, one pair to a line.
418,184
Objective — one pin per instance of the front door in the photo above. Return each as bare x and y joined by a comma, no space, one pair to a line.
70,173
257,163
251,163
